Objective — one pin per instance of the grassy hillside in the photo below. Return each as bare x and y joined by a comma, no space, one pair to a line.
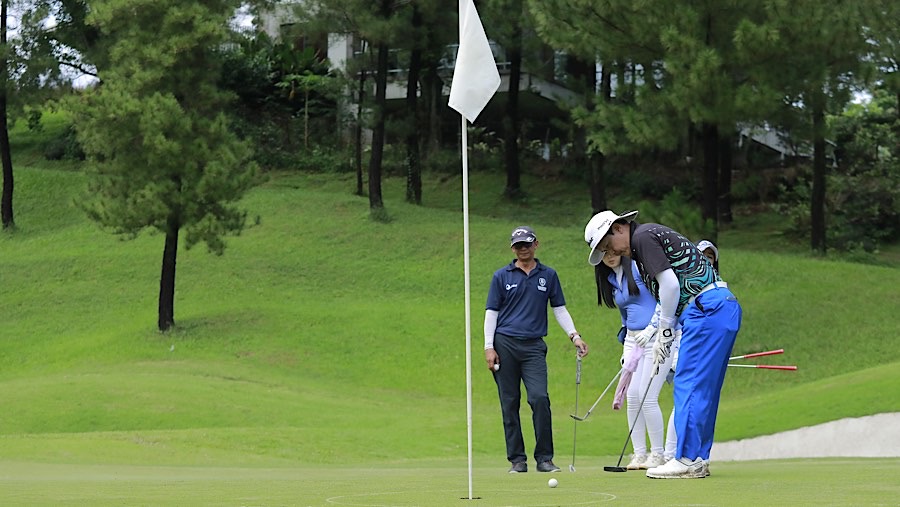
323,337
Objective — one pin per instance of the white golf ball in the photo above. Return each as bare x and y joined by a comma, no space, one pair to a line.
553,483
496,366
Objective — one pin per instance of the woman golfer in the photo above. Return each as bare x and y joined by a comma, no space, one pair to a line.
690,291
619,286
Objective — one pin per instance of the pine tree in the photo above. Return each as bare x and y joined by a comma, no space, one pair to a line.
161,154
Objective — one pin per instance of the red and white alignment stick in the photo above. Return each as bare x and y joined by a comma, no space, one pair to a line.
758,354
764,366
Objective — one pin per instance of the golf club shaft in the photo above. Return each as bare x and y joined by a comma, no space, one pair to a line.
641,407
758,354
575,423
611,382
764,366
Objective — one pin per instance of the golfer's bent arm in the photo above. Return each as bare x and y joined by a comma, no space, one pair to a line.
669,294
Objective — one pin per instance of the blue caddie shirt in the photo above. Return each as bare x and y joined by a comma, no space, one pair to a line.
521,300
636,310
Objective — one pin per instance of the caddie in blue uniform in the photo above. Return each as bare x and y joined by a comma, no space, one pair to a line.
515,323
689,292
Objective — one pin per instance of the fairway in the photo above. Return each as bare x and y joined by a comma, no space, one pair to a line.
445,483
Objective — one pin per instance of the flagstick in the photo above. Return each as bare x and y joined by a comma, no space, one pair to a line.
465,183
475,80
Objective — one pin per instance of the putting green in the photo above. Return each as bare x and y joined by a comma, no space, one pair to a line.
434,483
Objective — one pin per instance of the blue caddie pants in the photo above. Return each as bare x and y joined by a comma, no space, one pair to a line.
709,328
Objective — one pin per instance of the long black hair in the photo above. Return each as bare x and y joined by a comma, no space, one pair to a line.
605,289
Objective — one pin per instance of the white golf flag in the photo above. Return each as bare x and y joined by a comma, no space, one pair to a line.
475,77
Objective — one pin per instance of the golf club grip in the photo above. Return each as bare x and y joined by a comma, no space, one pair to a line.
766,366
758,354
578,369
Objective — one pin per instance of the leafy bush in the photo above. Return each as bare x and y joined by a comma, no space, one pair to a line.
324,160
863,201
443,162
862,207
865,208
677,212
65,146
794,205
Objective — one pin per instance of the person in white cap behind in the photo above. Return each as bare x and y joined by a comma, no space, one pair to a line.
710,252
690,292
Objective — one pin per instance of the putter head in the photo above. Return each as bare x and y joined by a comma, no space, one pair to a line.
615,469
571,468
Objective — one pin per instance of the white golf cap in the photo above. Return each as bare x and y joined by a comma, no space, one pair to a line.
597,227
703,245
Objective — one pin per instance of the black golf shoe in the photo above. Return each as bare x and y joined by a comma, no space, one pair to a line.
547,466
519,467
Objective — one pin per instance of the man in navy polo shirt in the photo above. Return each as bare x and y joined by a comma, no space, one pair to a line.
515,323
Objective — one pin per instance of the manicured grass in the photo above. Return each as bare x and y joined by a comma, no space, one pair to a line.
445,483
323,356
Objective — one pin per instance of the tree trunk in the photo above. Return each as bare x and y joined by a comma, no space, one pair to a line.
306,117
375,199
359,112
598,160
167,277
431,95
414,165
583,79
817,200
6,207
6,201
511,121
432,87
710,135
726,142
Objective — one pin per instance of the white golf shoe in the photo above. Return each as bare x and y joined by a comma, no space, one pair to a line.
678,469
637,462
653,460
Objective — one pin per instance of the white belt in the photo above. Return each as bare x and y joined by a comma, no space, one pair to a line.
714,285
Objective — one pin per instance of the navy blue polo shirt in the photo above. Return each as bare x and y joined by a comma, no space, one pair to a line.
521,300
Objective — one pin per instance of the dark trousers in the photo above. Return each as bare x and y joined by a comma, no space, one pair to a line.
524,361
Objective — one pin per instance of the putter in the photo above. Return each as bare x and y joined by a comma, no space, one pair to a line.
574,423
611,382
619,467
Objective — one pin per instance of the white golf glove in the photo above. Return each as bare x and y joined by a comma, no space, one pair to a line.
644,337
662,349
